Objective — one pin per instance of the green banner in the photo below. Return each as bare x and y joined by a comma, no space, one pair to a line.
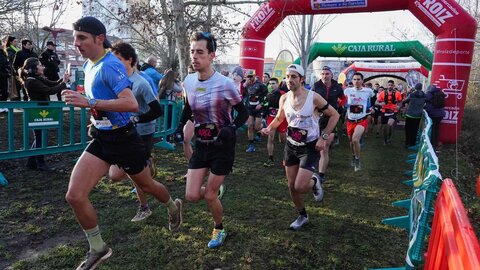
43,117
372,49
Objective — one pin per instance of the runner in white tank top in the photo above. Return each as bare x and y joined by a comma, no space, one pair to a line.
301,108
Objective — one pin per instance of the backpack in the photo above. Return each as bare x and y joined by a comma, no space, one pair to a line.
438,99
393,100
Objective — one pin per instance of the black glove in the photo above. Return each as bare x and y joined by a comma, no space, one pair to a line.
179,134
225,135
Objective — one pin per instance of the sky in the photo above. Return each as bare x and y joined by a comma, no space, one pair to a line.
353,27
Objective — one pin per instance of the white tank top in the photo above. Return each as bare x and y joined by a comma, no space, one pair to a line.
301,123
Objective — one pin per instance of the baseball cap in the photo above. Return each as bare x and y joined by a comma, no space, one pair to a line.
51,43
250,72
93,26
327,68
296,68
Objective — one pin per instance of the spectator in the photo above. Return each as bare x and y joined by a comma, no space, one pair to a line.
5,74
20,57
49,59
416,102
149,69
10,48
435,110
238,78
169,87
39,88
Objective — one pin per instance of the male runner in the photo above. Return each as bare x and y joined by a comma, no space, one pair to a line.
115,139
332,92
256,93
272,102
390,100
210,97
148,110
301,108
358,106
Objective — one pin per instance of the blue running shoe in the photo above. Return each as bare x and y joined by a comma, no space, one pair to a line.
250,148
218,237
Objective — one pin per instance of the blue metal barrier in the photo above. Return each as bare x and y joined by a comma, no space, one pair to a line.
43,115
171,110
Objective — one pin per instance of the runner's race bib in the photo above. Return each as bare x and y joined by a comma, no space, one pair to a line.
356,109
297,135
99,119
207,132
253,100
273,112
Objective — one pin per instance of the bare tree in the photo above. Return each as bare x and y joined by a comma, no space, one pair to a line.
301,32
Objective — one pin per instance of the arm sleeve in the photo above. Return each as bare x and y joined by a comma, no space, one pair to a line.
186,114
242,115
152,114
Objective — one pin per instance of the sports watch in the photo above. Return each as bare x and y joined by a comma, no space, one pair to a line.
325,136
92,103
135,119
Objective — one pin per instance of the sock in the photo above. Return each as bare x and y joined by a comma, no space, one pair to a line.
95,239
144,207
171,205
270,157
259,134
219,226
302,212
251,141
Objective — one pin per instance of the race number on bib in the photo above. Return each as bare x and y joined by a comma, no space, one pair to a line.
206,132
356,108
297,135
273,111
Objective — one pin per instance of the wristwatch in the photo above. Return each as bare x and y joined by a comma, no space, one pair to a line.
325,136
135,119
92,103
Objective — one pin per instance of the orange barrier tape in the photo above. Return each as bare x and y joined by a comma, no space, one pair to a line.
453,243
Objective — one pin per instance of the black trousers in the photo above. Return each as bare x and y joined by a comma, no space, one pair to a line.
411,130
3,88
435,130
37,143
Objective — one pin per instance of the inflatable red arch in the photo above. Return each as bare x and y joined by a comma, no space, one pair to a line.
454,28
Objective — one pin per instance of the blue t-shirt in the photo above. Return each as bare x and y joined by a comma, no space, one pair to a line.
105,79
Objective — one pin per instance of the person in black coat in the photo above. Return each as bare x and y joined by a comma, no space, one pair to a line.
49,59
39,88
5,74
20,57
10,49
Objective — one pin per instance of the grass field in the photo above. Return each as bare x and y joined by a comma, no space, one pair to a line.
38,229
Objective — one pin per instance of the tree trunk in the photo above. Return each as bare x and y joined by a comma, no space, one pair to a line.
180,36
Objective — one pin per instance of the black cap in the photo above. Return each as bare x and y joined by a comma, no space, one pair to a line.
93,26
418,86
51,43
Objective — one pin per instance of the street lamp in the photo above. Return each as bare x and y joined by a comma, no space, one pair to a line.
55,32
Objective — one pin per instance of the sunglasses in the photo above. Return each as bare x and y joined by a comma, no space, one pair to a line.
209,37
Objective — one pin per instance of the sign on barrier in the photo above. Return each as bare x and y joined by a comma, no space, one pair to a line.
43,117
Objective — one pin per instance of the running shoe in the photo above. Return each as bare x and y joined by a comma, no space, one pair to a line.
317,188
268,163
357,166
250,148
352,163
142,214
299,222
95,259
175,219
218,237
257,138
221,191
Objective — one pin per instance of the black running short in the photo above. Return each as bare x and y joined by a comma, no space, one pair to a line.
219,158
385,118
122,147
306,156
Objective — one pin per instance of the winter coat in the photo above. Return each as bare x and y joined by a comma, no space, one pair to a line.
416,102
5,68
50,60
40,88
21,56
433,112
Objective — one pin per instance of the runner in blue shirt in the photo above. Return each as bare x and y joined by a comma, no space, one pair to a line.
115,139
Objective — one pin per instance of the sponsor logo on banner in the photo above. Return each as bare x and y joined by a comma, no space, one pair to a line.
261,17
438,11
329,4
371,48
339,48
457,52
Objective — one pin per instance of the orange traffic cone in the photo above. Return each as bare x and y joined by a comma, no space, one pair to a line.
478,186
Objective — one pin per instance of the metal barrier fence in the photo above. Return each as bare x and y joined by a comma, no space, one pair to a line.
56,115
